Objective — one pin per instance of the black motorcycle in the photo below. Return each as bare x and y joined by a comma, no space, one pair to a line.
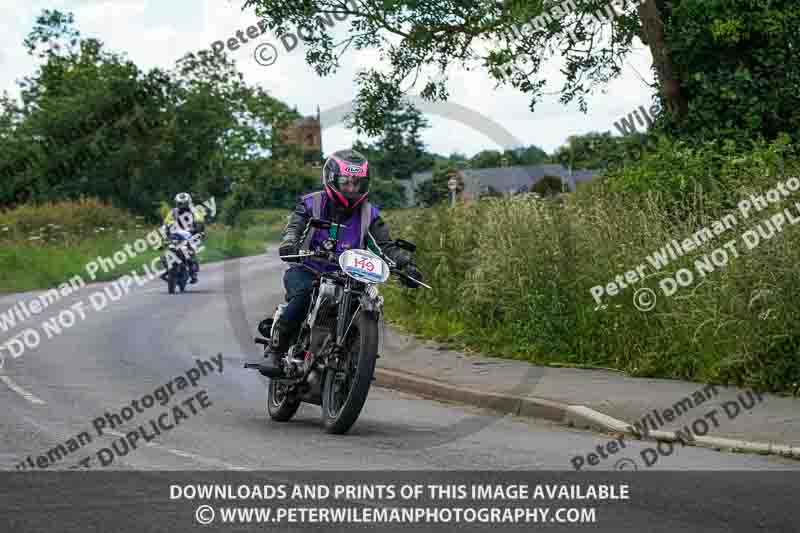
178,259
332,362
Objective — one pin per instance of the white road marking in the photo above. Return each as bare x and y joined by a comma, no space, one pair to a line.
19,390
187,455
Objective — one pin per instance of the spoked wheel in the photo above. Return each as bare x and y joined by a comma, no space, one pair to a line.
280,406
344,391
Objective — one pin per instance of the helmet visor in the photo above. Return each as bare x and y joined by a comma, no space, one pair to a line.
352,185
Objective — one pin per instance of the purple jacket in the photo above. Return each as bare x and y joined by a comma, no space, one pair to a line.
347,237
376,233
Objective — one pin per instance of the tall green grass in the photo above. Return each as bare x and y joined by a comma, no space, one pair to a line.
512,277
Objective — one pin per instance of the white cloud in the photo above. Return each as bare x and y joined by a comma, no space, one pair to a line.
155,33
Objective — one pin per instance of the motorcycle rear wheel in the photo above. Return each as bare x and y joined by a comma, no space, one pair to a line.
280,406
345,393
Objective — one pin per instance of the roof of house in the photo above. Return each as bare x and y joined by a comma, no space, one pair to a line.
516,177
513,178
504,179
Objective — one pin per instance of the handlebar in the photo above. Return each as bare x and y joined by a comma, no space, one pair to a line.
402,274
308,253
327,257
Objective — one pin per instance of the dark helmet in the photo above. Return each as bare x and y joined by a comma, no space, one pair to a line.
342,168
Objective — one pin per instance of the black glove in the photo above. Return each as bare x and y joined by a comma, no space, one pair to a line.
411,270
289,249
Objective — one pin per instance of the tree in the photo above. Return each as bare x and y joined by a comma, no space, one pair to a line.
548,186
458,157
90,122
389,194
532,155
599,151
435,190
272,183
728,61
487,159
399,151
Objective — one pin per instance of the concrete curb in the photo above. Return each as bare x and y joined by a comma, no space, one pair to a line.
571,415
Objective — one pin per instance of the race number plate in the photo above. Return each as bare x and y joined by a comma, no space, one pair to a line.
364,266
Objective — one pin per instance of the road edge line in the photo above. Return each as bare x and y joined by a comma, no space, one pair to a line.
555,411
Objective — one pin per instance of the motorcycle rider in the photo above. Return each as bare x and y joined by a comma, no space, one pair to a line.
345,180
184,217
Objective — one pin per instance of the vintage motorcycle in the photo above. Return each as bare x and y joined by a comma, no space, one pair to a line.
332,362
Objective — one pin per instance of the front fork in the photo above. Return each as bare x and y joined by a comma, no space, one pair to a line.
370,301
344,307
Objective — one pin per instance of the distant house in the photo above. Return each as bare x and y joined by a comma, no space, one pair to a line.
507,180
305,133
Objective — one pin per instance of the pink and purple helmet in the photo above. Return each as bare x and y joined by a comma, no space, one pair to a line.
345,176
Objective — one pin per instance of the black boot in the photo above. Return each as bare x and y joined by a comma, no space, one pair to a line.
279,343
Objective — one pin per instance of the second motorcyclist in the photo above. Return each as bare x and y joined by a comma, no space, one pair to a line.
183,217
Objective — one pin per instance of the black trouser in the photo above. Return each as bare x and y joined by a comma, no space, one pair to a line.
298,283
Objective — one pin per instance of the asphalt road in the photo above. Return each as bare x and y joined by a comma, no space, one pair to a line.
147,338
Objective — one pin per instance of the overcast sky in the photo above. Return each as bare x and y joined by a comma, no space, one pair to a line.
155,33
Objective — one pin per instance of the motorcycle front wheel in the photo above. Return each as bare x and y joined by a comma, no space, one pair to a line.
183,279
172,280
344,391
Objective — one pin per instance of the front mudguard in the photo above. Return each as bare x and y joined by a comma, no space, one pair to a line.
373,306
371,301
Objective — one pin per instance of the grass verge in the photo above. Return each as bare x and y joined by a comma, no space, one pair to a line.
43,246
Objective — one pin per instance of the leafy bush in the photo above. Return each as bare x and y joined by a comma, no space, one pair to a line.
548,186
276,184
387,193
64,222
738,65
678,173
